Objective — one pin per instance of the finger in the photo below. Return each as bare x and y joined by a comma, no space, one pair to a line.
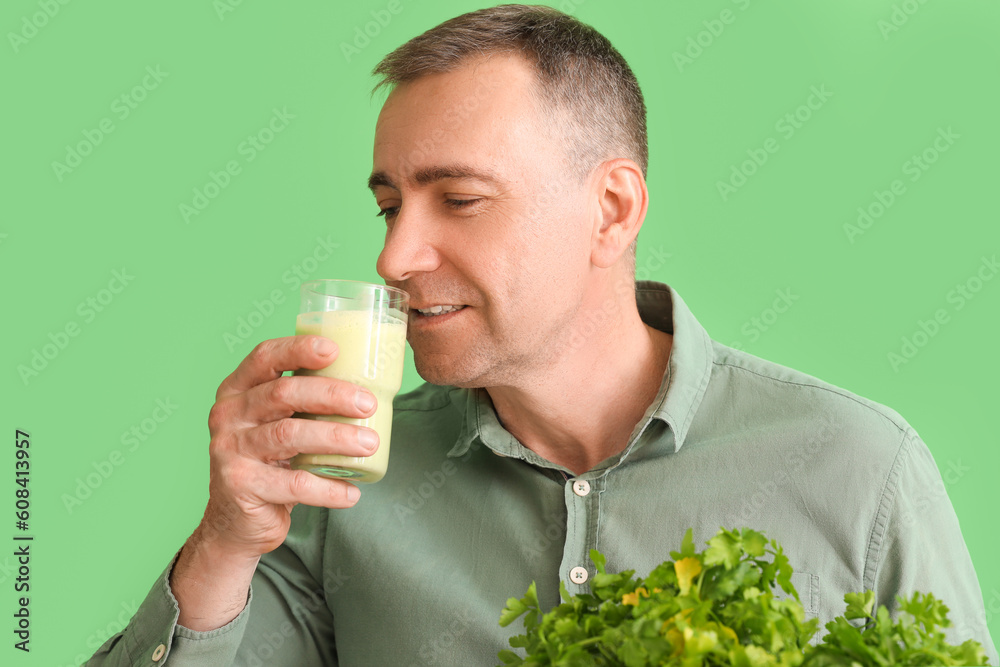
273,357
279,487
283,439
316,395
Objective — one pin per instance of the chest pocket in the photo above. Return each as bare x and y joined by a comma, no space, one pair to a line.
807,586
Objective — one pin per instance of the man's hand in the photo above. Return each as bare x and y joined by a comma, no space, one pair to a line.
251,489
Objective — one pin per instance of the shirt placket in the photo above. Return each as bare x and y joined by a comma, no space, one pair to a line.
583,510
582,496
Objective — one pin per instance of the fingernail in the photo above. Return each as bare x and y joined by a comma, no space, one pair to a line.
323,346
368,438
364,401
353,493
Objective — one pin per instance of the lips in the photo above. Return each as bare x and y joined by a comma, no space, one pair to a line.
437,311
434,311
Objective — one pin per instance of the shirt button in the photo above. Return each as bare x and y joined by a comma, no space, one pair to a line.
158,652
579,575
581,487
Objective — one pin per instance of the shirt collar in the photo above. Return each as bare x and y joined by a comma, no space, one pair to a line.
681,390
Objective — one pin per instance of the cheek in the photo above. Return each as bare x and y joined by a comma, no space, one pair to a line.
563,227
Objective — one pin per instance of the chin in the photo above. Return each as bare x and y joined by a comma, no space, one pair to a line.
445,372
435,372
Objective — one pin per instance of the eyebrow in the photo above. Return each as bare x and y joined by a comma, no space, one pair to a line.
429,175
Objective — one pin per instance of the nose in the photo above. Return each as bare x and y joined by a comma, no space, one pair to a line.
409,246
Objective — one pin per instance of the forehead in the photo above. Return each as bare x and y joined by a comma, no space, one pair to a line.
483,112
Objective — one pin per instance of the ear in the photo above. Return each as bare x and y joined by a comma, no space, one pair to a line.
621,203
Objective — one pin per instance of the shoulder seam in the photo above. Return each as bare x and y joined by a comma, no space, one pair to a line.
874,552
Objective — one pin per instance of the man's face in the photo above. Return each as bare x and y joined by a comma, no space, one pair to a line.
483,213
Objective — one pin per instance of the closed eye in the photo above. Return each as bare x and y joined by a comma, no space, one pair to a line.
391,211
461,203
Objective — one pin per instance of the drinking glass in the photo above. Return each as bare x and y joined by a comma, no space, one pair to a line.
368,324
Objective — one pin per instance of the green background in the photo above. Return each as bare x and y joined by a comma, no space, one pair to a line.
226,68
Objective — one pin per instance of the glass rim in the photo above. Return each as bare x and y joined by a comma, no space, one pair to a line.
308,285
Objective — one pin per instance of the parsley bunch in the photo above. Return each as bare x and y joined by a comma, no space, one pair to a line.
717,607
914,639
710,608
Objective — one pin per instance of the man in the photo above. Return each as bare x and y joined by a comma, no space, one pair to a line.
566,409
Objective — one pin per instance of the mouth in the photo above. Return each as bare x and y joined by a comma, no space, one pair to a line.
438,313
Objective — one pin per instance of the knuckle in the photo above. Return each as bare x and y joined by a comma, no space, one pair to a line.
350,436
215,452
280,390
299,482
340,393
339,433
227,476
284,431
216,466
218,416
261,353
220,449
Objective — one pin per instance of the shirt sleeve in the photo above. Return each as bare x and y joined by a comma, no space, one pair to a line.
286,620
152,635
917,545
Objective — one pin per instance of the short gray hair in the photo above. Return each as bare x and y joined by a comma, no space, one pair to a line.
587,83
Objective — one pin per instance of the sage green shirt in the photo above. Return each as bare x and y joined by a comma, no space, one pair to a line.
419,570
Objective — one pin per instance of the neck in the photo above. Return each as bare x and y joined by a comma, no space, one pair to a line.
581,406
